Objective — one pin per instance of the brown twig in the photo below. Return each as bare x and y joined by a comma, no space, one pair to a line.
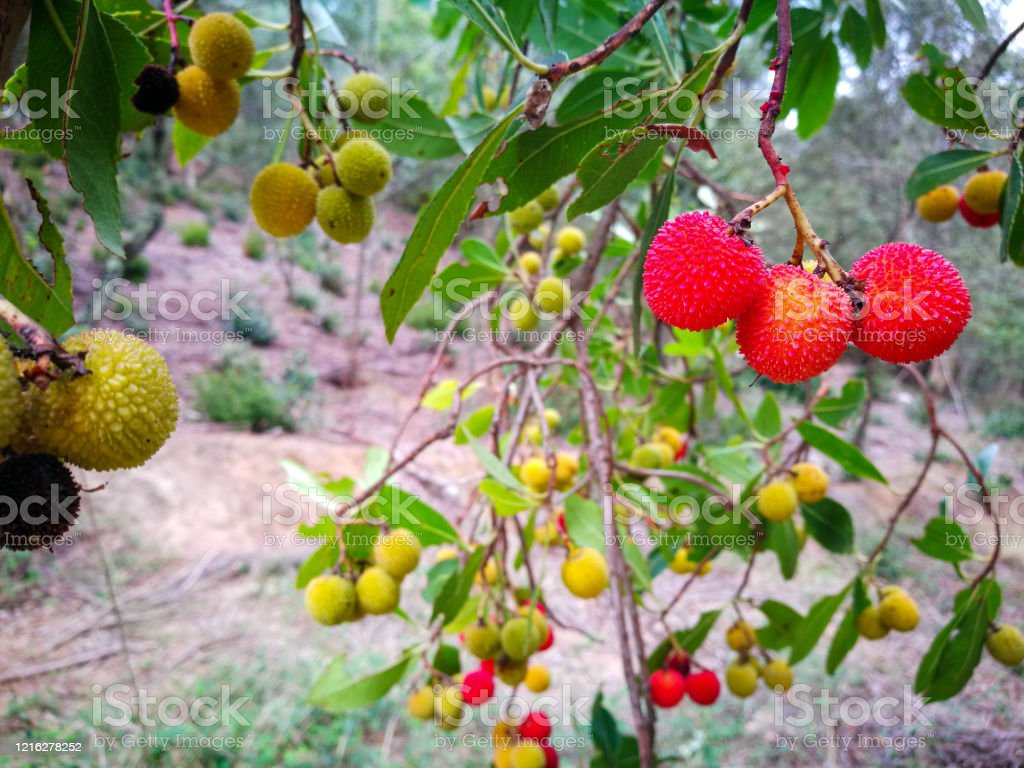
986,70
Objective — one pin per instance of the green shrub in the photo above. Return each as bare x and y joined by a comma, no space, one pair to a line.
241,393
135,269
306,300
332,278
1007,422
255,246
331,323
253,325
195,234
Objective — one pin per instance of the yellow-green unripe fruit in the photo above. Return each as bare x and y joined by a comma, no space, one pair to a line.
670,436
869,623
682,564
330,599
11,407
536,474
222,46
776,673
585,573
490,98
1006,645
377,590
448,707
526,219
548,199
397,553
741,678
539,236
983,191
521,637
527,755
344,217
552,417
646,456
347,136
530,262
938,205
116,416
777,501
421,703
524,316
740,636
810,482
571,240
365,97
552,295
899,611
566,467
324,172
510,671
206,105
667,454
483,640
363,167
283,199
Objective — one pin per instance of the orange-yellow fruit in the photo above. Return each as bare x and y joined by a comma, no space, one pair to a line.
283,199
566,467
536,474
206,105
530,262
538,678
397,553
330,599
810,481
797,326
777,500
570,239
344,217
11,407
1006,644
421,703
870,625
741,678
740,636
682,564
983,191
364,167
585,573
899,611
777,673
377,590
527,754
222,45
938,205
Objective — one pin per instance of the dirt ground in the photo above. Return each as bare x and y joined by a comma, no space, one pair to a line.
176,583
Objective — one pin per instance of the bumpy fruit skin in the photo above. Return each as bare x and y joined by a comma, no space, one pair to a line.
647,456
566,467
524,316
536,726
478,687
899,611
585,573
671,437
740,636
364,167
696,276
552,295
776,673
538,678
810,482
157,90
365,97
536,474
796,327
510,671
667,687
448,707
283,199
704,687
916,303
682,564
530,262
777,501
36,476
11,407
1006,645
527,218
222,46
330,599
117,416
206,105
522,636
397,553
741,678
377,590
549,199
527,755
571,240
870,624
344,217
983,190
421,703
483,640
975,219
938,205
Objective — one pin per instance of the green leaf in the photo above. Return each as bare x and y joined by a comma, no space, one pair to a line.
604,729
49,62
492,21
415,131
659,215
834,410
945,540
830,524
610,167
876,21
404,510
474,425
435,229
635,560
446,660
1011,244
819,91
848,456
437,577
493,466
962,651
687,344
944,167
974,13
955,108
131,57
322,559
690,640
768,419
358,539
815,624
506,502
783,625
456,590
187,143
92,138
336,692
595,91
441,396
856,35
847,634
780,538
584,522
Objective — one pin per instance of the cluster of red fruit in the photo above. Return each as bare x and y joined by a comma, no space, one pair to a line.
676,680
902,304
979,204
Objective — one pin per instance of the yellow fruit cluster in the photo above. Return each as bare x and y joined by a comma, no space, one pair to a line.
778,500
209,98
743,673
585,572
536,474
442,704
895,611
980,203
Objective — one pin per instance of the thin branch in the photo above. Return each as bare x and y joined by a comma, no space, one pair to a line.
999,51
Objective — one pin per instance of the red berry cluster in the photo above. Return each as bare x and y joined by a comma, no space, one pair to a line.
677,679
903,303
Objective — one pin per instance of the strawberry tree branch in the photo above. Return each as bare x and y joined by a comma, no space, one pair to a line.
39,340
986,70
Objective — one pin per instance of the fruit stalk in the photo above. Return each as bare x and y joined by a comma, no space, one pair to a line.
39,340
